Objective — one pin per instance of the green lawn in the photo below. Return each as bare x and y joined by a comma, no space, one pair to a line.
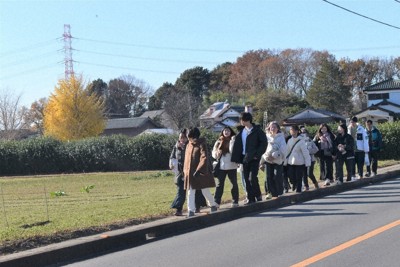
28,209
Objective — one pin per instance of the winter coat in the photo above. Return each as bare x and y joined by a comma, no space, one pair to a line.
311,146
225,160
197,161
256,143
299,154
360,140
276,149
374,139
177,158
348,142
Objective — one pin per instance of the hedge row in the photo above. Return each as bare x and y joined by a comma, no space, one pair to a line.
101,154
118,153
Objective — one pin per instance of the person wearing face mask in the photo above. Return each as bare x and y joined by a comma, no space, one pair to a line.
273,159
344,153
223,152
297,158
324,140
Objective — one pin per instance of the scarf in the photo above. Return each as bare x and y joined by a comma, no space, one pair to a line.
224,144
326,142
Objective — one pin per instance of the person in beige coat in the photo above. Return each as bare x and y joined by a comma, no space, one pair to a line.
297,158
197,171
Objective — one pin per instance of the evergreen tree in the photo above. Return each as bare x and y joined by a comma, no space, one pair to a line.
328,90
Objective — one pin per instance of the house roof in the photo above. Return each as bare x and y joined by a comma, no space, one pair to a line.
215,110
313,116
159,131
389,84
386,106
127,123
152,113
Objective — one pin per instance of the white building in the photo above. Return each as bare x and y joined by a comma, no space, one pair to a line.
383,101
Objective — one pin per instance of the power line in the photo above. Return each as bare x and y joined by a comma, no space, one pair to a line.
126,68
27,72
358,14
161,47
147,58
23,49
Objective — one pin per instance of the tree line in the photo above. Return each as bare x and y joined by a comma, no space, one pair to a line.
279,82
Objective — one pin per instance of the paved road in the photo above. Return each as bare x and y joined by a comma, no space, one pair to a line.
340,226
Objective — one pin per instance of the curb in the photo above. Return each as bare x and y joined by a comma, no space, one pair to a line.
84,247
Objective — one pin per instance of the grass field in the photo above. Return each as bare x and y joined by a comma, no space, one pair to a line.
30,207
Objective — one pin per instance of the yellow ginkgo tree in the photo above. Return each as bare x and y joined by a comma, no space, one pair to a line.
73,113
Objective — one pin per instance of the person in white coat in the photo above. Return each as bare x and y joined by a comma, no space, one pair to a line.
222,151
273,159
297,158
361,146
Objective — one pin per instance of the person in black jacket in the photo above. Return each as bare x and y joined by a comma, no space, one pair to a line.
344,153
250,144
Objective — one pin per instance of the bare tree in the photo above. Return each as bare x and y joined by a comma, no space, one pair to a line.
11,115
183,109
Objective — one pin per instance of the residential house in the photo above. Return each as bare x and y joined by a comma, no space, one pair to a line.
220,115
383,101
129,126
160,117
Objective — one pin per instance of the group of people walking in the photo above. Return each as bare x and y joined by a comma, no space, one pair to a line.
288,160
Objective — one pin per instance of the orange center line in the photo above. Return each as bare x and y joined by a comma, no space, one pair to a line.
347,244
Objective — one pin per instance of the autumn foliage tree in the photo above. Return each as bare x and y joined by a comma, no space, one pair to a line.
72,112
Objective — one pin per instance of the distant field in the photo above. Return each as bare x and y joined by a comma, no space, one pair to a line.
46,206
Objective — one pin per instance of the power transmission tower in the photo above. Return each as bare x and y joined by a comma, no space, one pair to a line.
69,67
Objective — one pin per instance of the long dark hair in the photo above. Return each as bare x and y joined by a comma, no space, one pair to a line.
328,129
227,127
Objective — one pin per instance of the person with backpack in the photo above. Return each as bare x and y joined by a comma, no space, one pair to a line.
375,146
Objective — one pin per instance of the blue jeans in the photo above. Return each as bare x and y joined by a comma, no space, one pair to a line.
180,196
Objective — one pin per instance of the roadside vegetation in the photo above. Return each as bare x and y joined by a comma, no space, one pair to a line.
38,210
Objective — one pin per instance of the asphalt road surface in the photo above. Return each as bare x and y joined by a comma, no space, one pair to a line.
355,228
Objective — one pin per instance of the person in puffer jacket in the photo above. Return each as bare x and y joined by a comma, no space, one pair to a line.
297,158
273,158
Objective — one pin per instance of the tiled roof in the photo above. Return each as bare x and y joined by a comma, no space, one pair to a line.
126,123
384,85
152,114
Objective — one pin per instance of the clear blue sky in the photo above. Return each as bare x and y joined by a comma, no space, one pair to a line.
156,41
